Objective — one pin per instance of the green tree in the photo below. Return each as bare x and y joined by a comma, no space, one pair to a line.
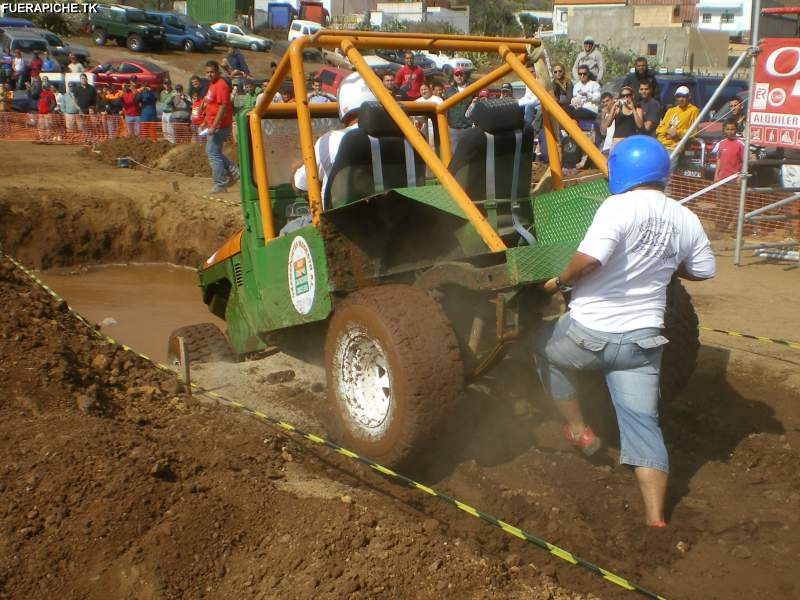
494,17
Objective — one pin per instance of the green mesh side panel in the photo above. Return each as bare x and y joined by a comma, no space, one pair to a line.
433,195
528,264
565,215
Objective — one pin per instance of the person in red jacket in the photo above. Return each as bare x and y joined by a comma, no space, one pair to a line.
130,108
45,105
35,66
409,78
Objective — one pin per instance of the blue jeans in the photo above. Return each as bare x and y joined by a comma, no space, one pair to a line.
630,362
219,163
132,124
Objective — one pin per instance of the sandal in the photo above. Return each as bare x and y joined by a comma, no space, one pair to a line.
587,442
657,524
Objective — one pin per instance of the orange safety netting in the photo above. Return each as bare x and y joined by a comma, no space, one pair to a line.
721,206
85,129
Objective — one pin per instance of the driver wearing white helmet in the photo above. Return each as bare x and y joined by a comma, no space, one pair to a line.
352,93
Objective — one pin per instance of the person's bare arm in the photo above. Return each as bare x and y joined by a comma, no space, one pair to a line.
580,265
610,116
638,117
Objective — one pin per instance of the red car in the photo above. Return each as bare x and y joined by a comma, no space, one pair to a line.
116,73
329,79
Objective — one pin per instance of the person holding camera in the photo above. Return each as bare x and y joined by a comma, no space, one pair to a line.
627,118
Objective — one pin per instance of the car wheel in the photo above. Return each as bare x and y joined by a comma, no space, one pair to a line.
204,342
188,45
254,47
135,43
394,371
100,37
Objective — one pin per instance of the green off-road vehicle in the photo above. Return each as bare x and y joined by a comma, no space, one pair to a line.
420,267
127,26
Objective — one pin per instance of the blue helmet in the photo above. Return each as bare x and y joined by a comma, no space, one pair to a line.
637,160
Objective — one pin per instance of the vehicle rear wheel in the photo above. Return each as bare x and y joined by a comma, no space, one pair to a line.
188,45
100,37
204,342
681,328
393,368
135,43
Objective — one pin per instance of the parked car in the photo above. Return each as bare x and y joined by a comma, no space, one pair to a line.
126,25
420,60
299,28
115,73
236,36
60,50
14,22
179,34
447,64
24,39
329,79
335,58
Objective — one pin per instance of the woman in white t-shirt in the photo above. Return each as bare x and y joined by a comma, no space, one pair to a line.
425,125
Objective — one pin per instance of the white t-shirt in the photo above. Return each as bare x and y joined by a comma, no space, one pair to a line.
586,95
75,67
433,100
640,238
326,149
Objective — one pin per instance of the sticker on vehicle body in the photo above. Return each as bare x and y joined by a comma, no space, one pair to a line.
302,280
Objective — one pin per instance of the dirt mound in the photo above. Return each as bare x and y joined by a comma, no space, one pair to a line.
190,159
115,485
139,149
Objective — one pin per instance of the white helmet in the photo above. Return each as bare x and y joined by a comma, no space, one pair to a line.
353,92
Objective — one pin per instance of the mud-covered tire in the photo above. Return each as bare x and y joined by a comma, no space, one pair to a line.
99,36
681,328
394,370
204,343
188,45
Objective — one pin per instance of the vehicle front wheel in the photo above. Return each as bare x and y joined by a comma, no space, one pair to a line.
135,43
204,342
394,370
255,47
100,37
188,45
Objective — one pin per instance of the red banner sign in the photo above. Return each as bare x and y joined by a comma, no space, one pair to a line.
775,114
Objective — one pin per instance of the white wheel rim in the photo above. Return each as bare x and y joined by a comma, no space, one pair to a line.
363,380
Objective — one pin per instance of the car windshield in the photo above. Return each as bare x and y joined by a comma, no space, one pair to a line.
188,21
31,45
137,16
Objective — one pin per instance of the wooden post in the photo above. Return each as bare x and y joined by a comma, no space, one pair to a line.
184,357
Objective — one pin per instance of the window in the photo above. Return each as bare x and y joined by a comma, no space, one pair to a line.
53,39
726,18
706,17
236,30
28,46
326,77
295,26
563,16
652,49
129,68
676,10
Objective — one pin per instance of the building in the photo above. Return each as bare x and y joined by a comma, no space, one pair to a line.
564,10
650,31
421,12
732,17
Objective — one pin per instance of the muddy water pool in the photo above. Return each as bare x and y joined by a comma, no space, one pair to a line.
138,305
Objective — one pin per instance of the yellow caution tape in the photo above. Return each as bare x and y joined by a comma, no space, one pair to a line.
760,338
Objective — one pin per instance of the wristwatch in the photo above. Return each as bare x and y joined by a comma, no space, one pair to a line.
563,288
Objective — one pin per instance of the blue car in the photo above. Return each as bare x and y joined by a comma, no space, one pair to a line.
178,33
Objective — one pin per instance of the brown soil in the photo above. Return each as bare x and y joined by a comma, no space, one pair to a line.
115,486
185,159
80,211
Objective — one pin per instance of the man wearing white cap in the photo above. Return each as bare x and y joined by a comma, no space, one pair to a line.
677,120
591,57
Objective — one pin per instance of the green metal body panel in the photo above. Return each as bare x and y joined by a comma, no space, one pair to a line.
207,12
285,283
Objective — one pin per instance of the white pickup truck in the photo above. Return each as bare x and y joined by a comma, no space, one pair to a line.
447,64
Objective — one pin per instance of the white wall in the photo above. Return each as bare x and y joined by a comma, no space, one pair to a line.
716,8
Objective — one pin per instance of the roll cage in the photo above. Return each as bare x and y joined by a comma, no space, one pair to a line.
513,51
